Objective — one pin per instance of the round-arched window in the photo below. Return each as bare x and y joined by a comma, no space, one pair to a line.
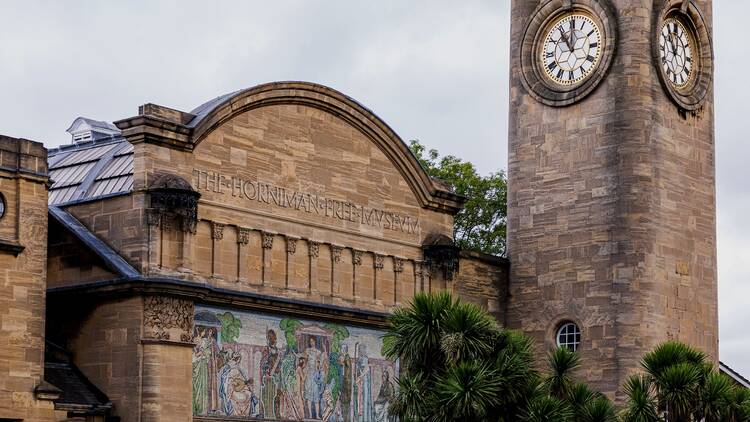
568,335
2,205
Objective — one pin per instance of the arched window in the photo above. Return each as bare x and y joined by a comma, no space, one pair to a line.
568,335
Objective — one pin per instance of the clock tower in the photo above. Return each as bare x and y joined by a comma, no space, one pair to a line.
611,205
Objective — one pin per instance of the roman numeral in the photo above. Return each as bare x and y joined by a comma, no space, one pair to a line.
593,44
590,58
688,59
552,66
589,34
560,74
549,55
681,78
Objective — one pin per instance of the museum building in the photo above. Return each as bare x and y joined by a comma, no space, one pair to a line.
237,261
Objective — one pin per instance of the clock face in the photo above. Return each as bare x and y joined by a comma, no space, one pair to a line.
676,52
571,50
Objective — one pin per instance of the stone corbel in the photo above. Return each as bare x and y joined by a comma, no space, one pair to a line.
313,248
357,257
217,230
291,245
378,261
398,264
268,239
243,235
336,253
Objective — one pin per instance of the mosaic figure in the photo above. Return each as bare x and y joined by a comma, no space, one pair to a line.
255,366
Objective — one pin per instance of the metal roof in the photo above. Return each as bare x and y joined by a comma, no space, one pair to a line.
736,376
89,170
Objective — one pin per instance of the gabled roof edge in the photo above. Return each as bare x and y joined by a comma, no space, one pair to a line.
112,259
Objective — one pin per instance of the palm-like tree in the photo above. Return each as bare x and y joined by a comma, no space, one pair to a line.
458,364
679,385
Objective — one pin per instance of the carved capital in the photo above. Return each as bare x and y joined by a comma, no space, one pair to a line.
398,264
378,261
167,318
217,231
291,245
267,240
336,253
357,257
243,235
418,265
313,248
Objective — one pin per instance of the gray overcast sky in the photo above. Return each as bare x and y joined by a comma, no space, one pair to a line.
434,70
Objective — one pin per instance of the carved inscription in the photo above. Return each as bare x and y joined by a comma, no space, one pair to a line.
303,201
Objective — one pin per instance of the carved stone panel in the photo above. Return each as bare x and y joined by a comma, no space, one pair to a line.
167,318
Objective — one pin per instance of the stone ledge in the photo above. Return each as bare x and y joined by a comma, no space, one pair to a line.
9,246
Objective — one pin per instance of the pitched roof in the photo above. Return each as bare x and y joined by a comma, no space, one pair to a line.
90,170
78,393
739,379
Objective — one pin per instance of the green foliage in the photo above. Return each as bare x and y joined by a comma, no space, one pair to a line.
290,326
679,385
230,327
562,362
458,364
480,225
547,409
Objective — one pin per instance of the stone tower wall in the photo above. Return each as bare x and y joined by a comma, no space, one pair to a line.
611,209
23,254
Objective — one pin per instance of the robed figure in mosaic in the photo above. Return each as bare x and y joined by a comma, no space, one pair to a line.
263,367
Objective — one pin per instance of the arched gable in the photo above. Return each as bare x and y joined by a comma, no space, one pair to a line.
214,113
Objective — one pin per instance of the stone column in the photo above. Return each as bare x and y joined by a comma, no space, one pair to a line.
378,265
167,339
398,267
335,259
291,249
217,233
267,244
356,262
313,249
243,238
